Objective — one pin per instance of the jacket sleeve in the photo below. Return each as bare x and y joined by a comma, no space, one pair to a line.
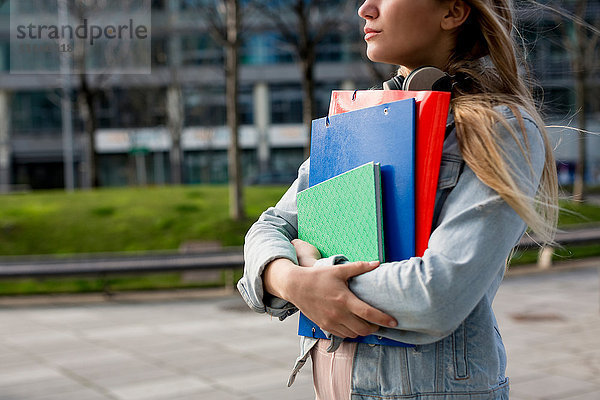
268,239
430,296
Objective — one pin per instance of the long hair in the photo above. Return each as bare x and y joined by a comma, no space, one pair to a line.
485,64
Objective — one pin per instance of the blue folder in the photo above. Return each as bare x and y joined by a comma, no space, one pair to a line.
384,134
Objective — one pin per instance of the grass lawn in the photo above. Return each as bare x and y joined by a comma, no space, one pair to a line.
577,213
127,219
560,254
156,218
572,215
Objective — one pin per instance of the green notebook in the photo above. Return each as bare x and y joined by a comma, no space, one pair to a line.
342,215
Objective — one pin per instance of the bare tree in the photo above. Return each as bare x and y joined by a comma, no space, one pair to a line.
95,64
303,24
223,18
87,97
86,100
4,138
174,98
579,34
175,124
4,142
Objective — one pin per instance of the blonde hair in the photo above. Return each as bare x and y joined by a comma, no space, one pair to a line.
485,64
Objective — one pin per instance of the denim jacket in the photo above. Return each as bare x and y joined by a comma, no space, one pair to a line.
442,300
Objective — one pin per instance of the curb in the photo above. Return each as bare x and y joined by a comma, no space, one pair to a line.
128,297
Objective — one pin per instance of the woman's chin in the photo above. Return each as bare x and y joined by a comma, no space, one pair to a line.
375,56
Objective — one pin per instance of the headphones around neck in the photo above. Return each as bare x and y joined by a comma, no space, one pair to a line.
422,78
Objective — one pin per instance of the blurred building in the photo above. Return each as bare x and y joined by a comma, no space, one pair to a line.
133,138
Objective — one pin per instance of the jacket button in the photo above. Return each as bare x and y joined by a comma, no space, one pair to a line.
372,344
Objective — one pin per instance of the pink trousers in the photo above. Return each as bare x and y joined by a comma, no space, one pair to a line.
332,372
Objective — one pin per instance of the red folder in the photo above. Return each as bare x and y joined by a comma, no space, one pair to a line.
432,114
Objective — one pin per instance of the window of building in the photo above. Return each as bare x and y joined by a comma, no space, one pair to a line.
323,96
205,106
553,61
286,103
192,5
265,48
106,113
159,5
330,48
556,100
246,105
33,6
36,112
287,161
201,49
132,108
159,55
211,166
4,56
205,167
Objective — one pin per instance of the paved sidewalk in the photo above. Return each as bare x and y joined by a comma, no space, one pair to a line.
217,349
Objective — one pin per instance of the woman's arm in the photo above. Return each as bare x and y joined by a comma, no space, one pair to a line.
431,295
267,240
273,282
321,293
428,296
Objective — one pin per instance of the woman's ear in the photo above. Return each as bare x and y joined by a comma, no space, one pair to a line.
457,14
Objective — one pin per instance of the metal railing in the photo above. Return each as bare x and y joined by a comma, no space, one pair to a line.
228,259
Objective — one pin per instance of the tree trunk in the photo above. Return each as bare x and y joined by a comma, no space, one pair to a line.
175,123
580,70
90,124
580,169
236,201
5,149
308,97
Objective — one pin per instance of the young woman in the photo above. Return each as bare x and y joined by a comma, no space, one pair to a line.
497,177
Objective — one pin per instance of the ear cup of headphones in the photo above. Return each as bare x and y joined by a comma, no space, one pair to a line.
394,84
422,78
427,78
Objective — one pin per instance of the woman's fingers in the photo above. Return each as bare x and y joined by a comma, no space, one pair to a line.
355,316
322,294
341,331
370,313
307,253
352,269
360,327
350,326
359,307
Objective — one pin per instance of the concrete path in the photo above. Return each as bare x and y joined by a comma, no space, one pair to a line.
217,349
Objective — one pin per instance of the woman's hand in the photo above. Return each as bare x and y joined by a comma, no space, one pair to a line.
307,253
322,294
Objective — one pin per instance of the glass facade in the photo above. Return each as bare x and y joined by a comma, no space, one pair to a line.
286,103
211,167
4,56
201,50
266,48
183,47
36,112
